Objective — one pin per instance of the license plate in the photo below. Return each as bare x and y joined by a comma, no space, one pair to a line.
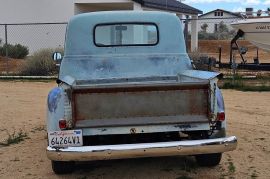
68,138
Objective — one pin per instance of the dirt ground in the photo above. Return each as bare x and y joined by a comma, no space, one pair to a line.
10,65
211,48
23,104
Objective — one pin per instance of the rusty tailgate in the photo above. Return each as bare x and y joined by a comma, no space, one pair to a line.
141,104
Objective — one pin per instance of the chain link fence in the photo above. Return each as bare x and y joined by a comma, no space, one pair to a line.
214,40
19,42
214,37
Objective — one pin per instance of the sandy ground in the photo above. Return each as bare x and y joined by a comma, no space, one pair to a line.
22,107
211,48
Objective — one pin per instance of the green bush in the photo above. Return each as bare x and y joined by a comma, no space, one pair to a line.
41,63
14,51
239,84
207,36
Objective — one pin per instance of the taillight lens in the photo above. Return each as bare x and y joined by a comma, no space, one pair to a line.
221,116
62,124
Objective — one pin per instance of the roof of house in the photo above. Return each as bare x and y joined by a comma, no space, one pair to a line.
232,13
171,5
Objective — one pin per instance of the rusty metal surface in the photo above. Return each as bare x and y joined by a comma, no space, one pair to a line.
110,81
140,86
143,101
107,152
141,121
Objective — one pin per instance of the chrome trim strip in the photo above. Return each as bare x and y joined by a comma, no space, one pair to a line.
144,129
106,152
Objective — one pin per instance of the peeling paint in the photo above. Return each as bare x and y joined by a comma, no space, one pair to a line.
53,98
123,66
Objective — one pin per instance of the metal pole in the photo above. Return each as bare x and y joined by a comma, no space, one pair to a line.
6,44
186,32
234,67
219,57
258,55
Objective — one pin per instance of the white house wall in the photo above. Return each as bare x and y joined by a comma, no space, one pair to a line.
29,11
35,11
226,18
25,11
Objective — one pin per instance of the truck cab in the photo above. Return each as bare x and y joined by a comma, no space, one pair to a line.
127,89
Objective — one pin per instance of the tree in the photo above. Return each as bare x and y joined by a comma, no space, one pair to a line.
259,12
222,27
204,27
221,31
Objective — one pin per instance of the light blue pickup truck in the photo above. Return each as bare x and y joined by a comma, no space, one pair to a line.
127,89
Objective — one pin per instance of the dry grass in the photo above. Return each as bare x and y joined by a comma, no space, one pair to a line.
14,138
40,64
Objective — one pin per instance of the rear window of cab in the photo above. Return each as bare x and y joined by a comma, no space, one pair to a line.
126,34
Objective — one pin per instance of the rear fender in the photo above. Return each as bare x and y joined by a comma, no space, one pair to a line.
220,105
55,108
220,108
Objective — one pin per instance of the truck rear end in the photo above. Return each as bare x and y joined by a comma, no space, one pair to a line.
123,97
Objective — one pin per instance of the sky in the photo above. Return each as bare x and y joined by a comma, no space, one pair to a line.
229,5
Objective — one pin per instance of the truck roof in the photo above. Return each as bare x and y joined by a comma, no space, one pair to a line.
80,33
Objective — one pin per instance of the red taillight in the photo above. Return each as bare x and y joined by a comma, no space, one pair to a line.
62,124
221,116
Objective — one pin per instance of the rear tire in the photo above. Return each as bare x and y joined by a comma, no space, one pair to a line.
63,167
208,160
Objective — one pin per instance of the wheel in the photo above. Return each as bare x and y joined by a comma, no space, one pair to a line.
62,167
208,160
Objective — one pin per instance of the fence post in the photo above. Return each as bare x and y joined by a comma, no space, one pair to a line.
219,56
186,32
6,50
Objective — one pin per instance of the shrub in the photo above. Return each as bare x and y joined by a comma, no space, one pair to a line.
203,35
207,36
14,138
40,64
204,27
201,61
14,51
240,85
236,84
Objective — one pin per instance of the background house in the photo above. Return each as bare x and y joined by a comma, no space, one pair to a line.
215,17
36,36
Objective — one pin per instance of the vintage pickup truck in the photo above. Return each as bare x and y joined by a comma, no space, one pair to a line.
127,89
